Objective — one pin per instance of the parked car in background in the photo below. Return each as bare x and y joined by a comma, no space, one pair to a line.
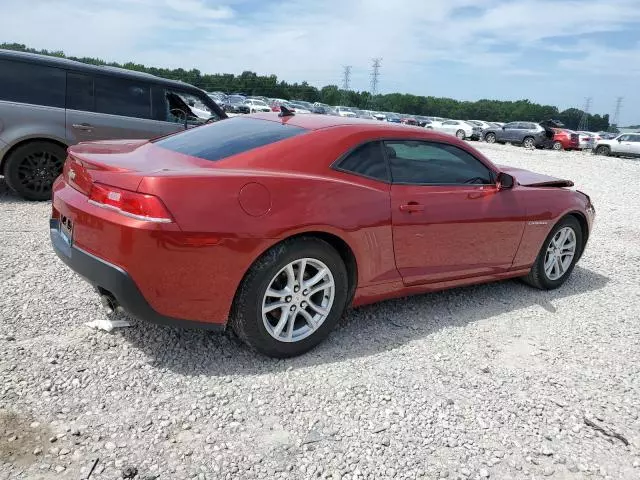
299,108
236,104
528,134
625,145
392,117
408,120
345,111
587,140
565,140
277,102
422,120
365,114
218,97
607,135
480,123
322,110
402,211
49,103
304,104
256,105
459,128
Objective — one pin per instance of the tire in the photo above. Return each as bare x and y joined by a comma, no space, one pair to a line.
461,135
603,150
490,138
538,276
528,142
557,146
31,169
269,272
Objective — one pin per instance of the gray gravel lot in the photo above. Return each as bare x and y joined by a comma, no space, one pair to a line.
487,381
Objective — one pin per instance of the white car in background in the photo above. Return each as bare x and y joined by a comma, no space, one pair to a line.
480,123
345,112
459,128
256,105
625,145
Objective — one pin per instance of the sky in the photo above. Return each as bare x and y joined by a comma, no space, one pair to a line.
557,52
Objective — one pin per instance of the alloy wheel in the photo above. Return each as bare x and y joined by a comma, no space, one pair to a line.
460,134
298,300
37,171
557,146
490,138
528,142
560,252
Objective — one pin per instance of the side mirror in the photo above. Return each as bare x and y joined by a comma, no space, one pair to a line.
505,181
503,127
619,140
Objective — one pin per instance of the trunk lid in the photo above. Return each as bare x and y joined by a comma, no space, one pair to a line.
532,179
120,163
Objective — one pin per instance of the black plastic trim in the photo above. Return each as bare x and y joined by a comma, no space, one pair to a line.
113,279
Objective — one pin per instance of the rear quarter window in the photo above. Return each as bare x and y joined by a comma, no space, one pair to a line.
228,137
32,83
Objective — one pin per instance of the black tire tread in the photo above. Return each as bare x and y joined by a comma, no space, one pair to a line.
239,320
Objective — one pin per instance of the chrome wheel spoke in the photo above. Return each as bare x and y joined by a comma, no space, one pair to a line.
560,253
282,322
290,312
316,278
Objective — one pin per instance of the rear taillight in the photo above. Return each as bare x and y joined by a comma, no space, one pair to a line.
140,206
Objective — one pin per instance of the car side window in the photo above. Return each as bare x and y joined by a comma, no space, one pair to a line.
427,163
27,82
511,126
366,160
117,96
624,138
80,95
634,138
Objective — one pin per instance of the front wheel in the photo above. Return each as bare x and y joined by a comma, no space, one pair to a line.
603,150
291,298
490,138
557,258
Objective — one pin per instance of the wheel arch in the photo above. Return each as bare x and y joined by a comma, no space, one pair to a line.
343,248
584,227
26,141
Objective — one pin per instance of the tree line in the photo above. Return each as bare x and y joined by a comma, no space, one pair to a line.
250,83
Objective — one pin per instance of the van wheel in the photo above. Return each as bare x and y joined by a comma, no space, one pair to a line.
32,168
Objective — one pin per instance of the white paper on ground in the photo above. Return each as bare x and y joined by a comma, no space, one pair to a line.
107,325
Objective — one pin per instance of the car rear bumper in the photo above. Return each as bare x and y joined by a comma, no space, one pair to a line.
113,281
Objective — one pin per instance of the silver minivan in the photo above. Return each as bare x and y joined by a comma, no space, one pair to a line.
49,103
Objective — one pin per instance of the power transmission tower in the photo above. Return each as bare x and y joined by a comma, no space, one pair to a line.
346,83
613,125
584,120
375,78
346,78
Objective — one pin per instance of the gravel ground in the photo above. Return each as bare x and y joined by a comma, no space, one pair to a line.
487,381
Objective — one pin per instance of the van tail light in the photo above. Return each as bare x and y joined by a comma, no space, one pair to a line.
140,206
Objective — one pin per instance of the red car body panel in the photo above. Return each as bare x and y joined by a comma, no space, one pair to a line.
228,212
569,140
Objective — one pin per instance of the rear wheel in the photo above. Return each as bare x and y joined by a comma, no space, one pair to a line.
603,150
460,134
490,138
557,146
529,142
557,258
291,298
32,168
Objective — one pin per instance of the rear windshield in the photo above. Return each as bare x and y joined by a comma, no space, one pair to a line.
228,137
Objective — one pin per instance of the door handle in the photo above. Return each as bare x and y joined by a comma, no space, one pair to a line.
82,126
411,207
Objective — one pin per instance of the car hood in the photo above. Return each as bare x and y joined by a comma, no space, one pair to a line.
532,179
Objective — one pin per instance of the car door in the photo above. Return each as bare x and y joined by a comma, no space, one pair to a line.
634,145
450,127
449,219
624,144
508,132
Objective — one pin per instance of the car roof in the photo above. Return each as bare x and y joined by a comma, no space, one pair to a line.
74,65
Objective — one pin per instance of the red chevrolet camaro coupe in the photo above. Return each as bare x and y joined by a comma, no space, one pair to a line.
274,224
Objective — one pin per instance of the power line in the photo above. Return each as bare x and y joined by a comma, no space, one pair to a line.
613,125
584,120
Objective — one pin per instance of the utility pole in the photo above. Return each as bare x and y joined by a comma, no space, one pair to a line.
584,120
375,78
613,125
